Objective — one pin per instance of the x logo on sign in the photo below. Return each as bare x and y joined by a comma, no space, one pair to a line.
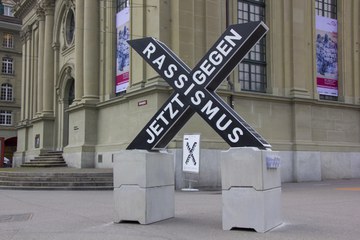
194,90
191,153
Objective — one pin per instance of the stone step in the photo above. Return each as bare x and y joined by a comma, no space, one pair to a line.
48,165
54,184
46,160
53,179
62,188
56,174
52,153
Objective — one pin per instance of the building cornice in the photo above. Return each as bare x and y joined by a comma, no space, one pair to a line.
22,8
10,26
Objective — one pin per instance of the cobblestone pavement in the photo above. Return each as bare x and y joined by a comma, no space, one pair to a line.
314,210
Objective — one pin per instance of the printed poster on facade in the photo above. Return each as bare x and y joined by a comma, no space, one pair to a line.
327,56
122,50
191,153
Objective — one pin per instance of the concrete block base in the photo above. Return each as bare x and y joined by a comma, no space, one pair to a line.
247,167
145,205
143,186
251,189
248,208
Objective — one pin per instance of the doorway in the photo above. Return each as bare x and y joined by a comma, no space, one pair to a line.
69,96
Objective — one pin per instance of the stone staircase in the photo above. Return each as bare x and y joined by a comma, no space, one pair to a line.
56,179
48,159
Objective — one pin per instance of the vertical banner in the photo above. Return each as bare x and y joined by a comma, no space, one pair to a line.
122,50
327,56
191,153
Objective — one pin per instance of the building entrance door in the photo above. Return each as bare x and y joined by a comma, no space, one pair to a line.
69,96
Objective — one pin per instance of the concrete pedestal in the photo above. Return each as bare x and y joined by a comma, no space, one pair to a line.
143,186
251,189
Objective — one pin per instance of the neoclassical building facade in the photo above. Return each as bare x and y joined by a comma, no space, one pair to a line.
70,101
10,77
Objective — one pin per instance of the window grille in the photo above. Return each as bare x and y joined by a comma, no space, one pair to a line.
121,4
6,92
8,11
8,40
252,70
7,66
326,8
5,117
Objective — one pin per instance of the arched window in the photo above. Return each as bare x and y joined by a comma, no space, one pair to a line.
70,27
6,92
8,40
70,89
7,65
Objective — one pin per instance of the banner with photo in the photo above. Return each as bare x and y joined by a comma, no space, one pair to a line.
327,56
122,50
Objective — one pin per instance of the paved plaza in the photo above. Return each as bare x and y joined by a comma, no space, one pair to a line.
314,210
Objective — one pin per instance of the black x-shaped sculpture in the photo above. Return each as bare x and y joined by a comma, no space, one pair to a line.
194,90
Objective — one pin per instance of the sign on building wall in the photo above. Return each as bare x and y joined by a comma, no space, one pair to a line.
122,50
327,56
191,153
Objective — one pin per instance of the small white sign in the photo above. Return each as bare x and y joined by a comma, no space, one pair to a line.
272,162
191,153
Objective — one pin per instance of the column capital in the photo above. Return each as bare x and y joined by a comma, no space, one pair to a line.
40,13
48,6
25,34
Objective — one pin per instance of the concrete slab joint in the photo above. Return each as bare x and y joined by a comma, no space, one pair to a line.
251,189
143,186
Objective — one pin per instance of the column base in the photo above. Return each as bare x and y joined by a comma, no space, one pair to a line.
90,100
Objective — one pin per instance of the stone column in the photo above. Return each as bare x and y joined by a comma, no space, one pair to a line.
91,51
48,77
110,51
79,50
27,72
34,65
301,49
23,83
40,78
